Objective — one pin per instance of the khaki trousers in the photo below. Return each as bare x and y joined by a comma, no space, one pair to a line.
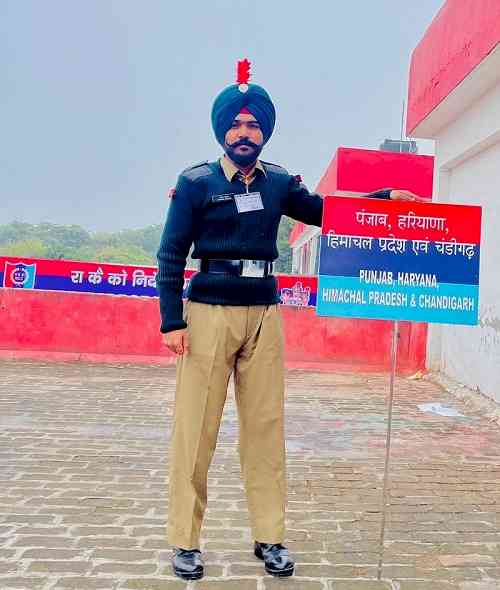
249,341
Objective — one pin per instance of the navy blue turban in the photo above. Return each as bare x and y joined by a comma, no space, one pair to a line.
232,100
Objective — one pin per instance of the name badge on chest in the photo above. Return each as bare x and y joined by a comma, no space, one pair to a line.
247,202
221,198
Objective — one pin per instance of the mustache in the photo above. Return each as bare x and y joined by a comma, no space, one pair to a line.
246,142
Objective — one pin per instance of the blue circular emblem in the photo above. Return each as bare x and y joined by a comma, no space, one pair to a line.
19,276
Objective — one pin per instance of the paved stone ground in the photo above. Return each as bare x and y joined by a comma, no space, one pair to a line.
83,497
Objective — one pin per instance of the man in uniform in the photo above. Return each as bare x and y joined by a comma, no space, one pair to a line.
230,209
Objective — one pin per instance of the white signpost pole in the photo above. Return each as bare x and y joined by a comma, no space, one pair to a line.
385,503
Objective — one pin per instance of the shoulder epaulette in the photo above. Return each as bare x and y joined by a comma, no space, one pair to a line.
196,165
197,170
274,167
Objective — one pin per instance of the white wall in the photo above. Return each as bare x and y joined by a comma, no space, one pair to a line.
468,172
309,235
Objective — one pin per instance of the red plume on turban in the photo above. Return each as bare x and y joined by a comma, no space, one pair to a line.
243,72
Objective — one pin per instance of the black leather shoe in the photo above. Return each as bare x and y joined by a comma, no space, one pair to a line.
277,562
187,563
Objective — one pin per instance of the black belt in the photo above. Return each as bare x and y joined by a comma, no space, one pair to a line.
238,268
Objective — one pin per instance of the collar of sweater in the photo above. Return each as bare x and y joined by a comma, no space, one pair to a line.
230,170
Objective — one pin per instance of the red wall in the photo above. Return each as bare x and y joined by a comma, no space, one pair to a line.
364,171
461,35
107,328
353,170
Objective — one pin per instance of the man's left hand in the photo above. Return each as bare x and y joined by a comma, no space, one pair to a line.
400,195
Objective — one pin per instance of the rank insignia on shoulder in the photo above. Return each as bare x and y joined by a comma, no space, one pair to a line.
171,193
298,178
197,165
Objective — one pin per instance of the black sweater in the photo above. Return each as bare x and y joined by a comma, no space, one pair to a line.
219,231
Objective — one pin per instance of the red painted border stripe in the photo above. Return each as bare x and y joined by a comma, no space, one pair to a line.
463,222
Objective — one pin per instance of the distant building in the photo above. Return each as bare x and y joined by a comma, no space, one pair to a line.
354,172
402,146
454,99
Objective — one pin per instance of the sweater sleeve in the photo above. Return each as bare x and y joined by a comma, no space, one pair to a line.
308,207
302,205
177,237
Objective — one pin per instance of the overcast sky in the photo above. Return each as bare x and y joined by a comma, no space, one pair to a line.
104,102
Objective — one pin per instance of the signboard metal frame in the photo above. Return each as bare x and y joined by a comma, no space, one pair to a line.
367,246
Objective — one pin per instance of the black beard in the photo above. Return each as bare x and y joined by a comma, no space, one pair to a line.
243,160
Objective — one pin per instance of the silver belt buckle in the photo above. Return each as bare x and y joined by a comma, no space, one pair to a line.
253,268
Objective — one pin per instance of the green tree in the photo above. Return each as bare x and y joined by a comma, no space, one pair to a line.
61,236
15,231
131,246
30,248
284,262
126,254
